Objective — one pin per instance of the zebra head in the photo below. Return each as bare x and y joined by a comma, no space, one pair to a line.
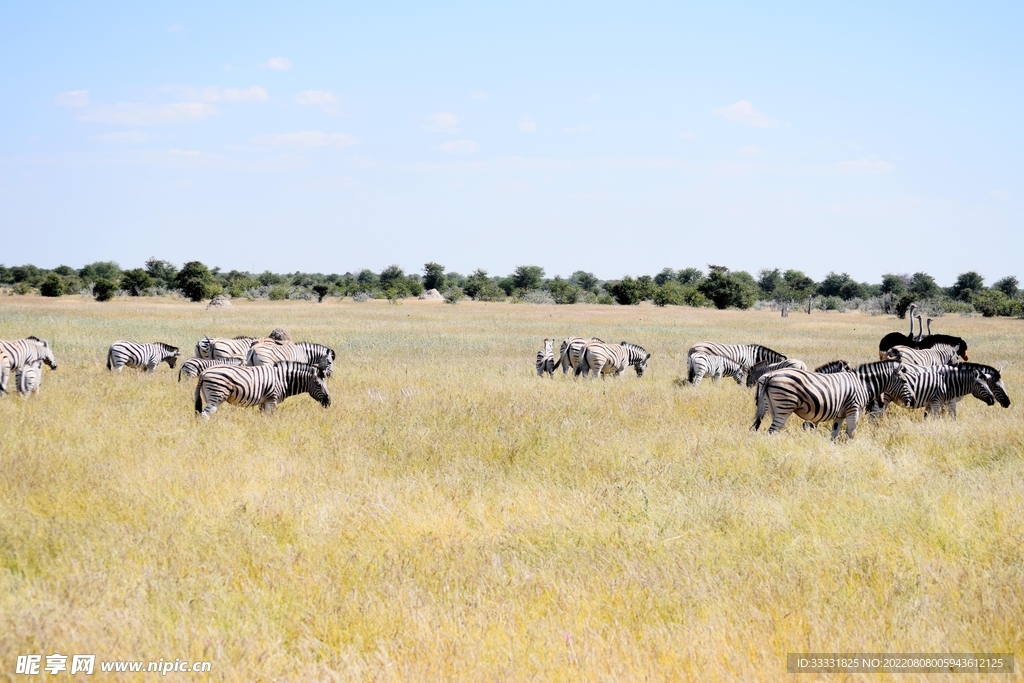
170,354
994,379
637,357
897,388
981,390
44,353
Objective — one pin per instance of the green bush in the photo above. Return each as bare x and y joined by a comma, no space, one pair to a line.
564,292
278,293
136,281
22,288
993,302
53,285
321,291
104,290
728,290
453,295
195,281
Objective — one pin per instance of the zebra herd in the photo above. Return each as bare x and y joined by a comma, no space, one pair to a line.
591,356
932,376
23,359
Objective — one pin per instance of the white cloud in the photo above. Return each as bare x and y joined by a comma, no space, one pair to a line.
138,114
527,125
864,167
687,136
74,98
175,28
750,150
459,147
213,94
277,64
316,97
1001,195
744,112
122,137
441,122
308,138
479,95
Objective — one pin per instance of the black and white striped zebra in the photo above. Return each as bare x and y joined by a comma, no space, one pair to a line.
747,355
569,352
264,386
194,366
941,354
764,367
611,359
212,348
145,356
938,387
270,352
876,377
29,377
21,352
546,359
820,397
993,378
702,365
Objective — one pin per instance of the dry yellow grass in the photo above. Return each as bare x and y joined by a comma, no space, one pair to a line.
454,518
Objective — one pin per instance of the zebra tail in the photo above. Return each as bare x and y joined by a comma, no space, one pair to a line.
110,358
689,369
179,371
199,396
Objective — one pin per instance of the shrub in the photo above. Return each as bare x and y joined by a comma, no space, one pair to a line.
360,296
453,295
104,290
535,296
605,300
278,293
22,288
136,281
527,277
53,285
321,292
727,289
195,281
433,276
993,302
564,292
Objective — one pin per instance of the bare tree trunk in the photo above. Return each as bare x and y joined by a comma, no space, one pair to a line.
810,299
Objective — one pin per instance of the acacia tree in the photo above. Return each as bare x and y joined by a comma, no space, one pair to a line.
195,281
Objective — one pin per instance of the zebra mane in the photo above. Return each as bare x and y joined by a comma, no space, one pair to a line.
320,348
166,347
996,374
241,337
635,351
762,347
37,339
294,367
833,366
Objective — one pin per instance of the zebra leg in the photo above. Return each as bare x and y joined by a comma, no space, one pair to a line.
851,423
268,406
952,408
697,377
151,366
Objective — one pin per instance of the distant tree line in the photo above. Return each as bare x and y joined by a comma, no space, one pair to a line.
717,287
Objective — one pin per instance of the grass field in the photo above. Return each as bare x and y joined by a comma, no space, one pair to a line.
452,517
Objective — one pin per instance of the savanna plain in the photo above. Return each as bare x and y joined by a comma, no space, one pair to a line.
453,517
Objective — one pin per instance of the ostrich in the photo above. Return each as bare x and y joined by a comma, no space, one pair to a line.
896,339
932,339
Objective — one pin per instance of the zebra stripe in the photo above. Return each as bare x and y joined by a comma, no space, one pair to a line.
23,352
140,355
942,354
834,366
764,367
546,359
936,388
569,352
270,352
704,364
818,397
211,348
194,366
747,355
264,386
605,359
29,377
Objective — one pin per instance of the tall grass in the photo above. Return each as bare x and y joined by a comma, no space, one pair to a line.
454,517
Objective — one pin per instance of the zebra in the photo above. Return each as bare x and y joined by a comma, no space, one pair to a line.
211,348
942,354
701,364
569,352
764,367
546,359
194,366
605,359
747,355
140,355
29,377
994,380
818,397
23,352
264,386
270,352
936,388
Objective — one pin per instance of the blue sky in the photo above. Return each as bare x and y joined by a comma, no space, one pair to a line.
617,139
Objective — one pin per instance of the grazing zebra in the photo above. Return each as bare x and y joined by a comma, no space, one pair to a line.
764,367
546,359
29,377
936,388
706,364
138,355
264,386
993,378
213,349
193,366
569,352
270,352
818,397
942,354
23,352
609,359
747,355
